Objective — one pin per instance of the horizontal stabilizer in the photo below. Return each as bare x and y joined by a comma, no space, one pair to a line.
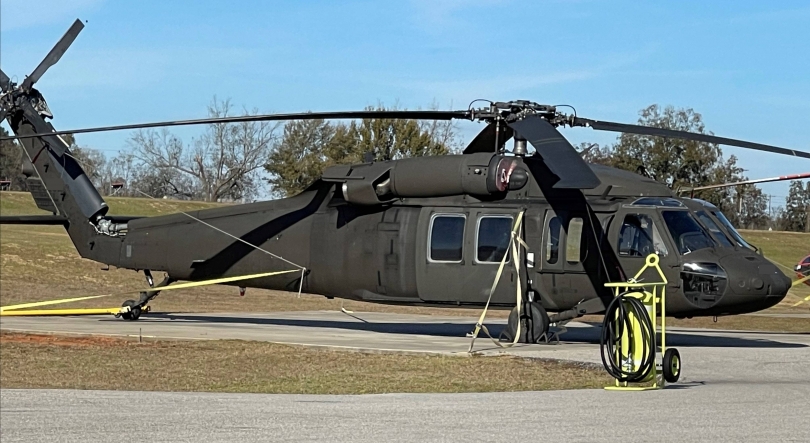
32,220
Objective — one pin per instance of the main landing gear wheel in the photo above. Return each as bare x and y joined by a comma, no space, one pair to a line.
671,365
134,310
533,323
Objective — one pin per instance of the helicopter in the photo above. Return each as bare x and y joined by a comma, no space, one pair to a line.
429,231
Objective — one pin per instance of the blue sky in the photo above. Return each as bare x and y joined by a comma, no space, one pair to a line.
744,65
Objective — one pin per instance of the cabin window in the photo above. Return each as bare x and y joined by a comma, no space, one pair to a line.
573,241
446,238
640,237
492,238
552,240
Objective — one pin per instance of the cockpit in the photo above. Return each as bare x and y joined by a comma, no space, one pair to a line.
640,236
691,229
713,261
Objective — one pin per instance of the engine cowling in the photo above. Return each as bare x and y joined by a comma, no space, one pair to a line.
480,174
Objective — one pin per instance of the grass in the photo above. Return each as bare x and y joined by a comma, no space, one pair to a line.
21,203
47,361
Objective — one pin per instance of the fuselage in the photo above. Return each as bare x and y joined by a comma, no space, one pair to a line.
446,251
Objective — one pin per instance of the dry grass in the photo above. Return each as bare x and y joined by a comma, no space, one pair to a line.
21,203
747,322
43,361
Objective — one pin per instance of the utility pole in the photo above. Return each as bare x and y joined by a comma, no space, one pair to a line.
769,205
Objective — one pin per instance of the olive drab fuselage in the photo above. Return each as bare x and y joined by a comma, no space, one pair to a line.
446,250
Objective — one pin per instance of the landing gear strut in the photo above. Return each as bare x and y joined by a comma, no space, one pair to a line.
534,323
136,308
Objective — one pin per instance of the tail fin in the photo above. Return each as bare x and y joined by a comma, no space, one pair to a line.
56,180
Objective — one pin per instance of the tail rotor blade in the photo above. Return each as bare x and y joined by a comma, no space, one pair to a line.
53,56
4,81
684,135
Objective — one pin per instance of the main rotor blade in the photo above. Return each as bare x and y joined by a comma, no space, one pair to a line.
752,182
53,56
416,115
684,135
557,153
486,140
4,81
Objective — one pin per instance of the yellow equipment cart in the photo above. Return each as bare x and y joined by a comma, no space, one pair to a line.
629,342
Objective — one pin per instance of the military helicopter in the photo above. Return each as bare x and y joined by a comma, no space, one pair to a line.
422,231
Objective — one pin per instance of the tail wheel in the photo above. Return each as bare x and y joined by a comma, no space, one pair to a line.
671,365
134,310
534,323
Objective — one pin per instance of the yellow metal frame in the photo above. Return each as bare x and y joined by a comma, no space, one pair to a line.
652,295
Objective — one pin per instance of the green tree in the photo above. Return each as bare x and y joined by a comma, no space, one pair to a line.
593,153
673,161
797,204
305,150
11,156
752,209
309,147
683,163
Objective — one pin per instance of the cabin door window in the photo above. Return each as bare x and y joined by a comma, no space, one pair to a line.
446,238
492,239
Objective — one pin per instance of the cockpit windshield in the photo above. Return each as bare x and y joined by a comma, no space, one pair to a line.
715,230
737,237
686,232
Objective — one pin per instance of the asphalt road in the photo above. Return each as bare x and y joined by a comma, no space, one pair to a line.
736,386
717,413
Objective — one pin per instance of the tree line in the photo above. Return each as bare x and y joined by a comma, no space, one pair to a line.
237,161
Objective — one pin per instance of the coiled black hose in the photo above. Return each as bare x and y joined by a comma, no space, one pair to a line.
618,322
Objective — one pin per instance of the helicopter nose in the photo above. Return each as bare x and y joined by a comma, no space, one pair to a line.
753,279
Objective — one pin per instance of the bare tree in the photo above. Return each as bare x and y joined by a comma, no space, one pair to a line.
223,162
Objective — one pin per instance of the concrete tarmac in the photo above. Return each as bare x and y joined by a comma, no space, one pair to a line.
736,386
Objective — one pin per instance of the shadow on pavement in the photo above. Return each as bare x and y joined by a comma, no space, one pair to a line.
573,335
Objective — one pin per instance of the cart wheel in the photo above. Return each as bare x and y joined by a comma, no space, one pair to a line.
672,365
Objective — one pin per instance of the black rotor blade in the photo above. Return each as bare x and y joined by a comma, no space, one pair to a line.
416,115
486,140
53,56
4,82
557,153
670,133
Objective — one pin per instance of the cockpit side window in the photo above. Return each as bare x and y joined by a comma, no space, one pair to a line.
737,237
686,232
639,237
714,229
